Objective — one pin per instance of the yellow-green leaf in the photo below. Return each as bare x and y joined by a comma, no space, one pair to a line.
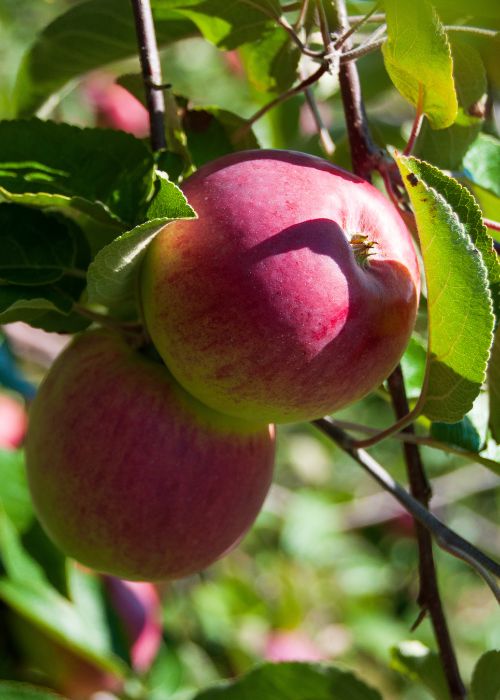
460,267
417,56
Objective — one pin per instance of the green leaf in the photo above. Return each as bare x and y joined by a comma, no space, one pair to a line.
446,148
36,249
109,167
14,494
80,41
22,691
486,678
213,132
226,23
293,681
26,590
413,660
461,434
482,163
43,262
458,258
469,74
112,275
271,61
494,387
417,53
413,365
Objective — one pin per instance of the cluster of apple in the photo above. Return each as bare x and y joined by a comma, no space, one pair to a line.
292,294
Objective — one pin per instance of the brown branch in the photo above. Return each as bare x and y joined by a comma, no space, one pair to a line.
151,72
365,158
449,540
364,153
428,598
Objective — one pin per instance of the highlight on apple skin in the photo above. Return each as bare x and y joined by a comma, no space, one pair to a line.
293,294
131,475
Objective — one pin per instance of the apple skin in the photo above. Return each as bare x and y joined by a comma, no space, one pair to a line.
132,476
259,307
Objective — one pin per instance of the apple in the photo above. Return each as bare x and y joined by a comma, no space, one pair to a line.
293,294
132,476
13,422
138,606
291,645
138,610
115,107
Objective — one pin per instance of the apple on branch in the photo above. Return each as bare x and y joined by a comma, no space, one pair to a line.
131,475
293,294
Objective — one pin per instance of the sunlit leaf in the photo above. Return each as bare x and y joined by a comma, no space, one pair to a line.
459,263
417,56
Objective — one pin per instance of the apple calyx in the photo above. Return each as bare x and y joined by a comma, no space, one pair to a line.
362,248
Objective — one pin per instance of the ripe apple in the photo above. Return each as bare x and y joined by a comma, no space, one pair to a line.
131,475
292,295
13,422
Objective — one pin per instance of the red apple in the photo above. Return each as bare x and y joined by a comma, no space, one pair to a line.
131,475
13,422
116,107
139,609
293,294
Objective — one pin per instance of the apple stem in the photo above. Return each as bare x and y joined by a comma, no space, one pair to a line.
151,72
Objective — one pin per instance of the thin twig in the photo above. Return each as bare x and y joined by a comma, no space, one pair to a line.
377,17
494,225
354,27
151,72
304,8
361,50
324,135
447,539
423,440
471,30
279,99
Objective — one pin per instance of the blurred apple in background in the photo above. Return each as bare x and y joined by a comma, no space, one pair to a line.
13,422
291,645
115,107
139,609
